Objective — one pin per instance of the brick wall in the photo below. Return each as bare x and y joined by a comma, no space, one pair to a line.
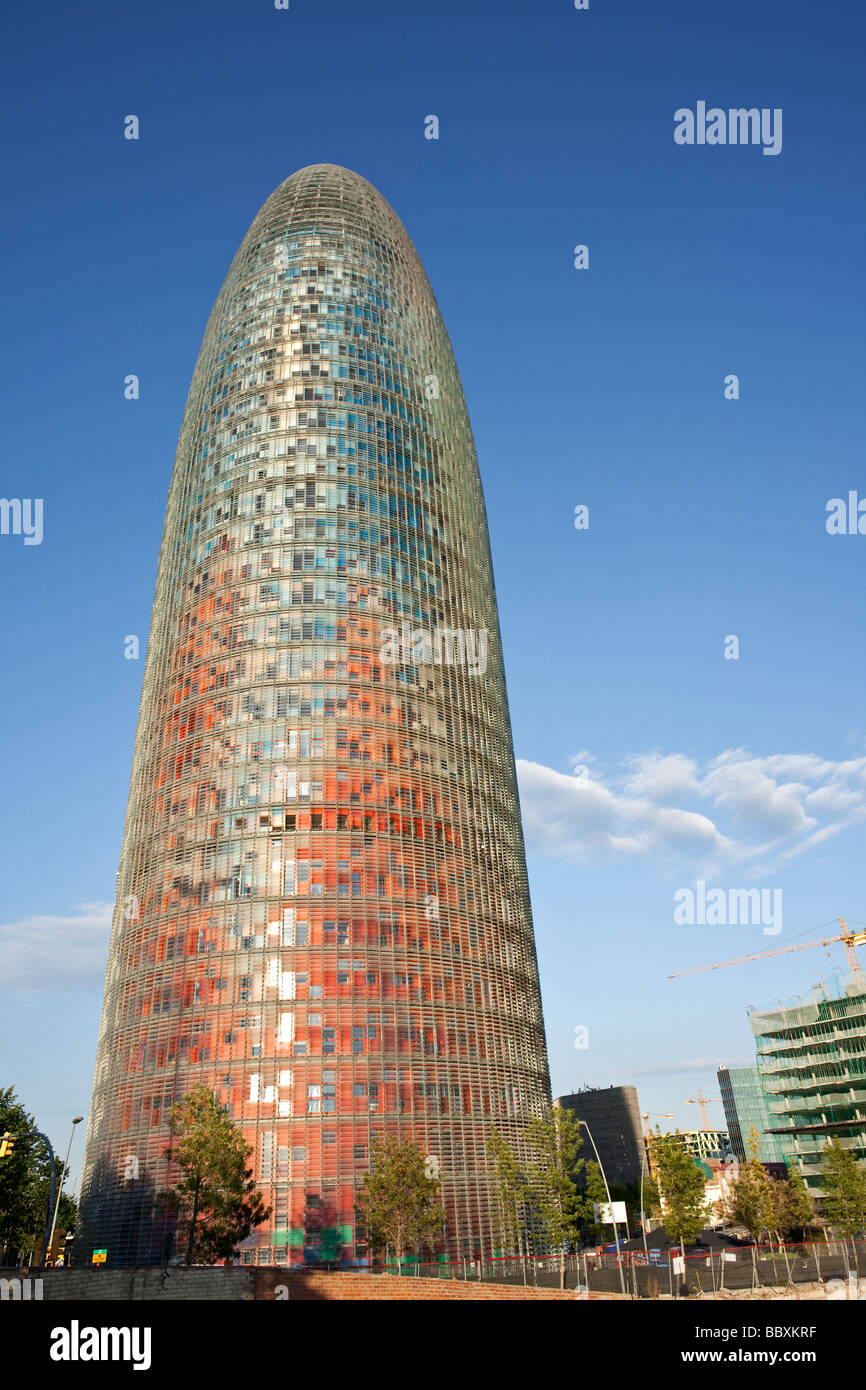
313,1286
249,1283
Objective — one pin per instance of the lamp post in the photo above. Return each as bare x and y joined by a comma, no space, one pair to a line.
76,1121
642,1213
610,1205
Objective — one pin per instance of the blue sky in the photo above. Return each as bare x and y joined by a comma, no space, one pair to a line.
603,387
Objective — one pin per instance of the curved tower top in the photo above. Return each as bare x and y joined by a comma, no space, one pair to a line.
323,911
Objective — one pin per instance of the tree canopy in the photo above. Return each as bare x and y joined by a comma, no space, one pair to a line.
400,1202
215,1196
681,1186
25,1184
844,1190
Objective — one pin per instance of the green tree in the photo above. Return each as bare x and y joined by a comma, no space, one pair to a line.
630,1193
215,1196
790,1209
25,1184
511,1188
400,1202
681,1186
751,1201
793,1207
596,1196
844,1187
652,1202
553,1142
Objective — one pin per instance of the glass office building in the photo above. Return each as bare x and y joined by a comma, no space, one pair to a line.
746,1108
812,1062
323,911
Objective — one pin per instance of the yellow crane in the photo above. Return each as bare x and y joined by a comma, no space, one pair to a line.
655,1115
850,939
703,1101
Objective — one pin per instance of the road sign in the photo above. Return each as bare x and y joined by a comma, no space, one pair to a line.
607,1213
99,1257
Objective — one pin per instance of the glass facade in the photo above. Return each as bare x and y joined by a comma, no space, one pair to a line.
323,910
746,1106
812,1063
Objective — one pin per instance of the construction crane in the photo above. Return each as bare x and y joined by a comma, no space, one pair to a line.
851,939
703,1101
656,1115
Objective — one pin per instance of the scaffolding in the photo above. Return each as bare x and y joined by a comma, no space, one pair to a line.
812,1065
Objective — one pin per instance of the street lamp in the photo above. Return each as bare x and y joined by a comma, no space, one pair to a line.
642,1213
610,1205
76,1121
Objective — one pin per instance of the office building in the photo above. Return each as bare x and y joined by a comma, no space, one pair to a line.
812,1063
746,1109
613,1117
323,911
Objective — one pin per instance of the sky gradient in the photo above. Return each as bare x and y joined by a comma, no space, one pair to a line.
602,387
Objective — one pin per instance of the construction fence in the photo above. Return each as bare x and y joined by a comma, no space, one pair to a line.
659,1273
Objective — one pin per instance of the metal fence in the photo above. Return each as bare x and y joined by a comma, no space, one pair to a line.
658,1273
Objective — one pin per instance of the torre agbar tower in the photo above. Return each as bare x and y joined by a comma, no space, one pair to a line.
322,906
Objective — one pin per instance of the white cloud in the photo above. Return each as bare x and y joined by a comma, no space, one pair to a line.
753,797
659,777
55,953
734,809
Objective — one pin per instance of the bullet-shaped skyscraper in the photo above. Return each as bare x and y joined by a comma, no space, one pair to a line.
323,911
